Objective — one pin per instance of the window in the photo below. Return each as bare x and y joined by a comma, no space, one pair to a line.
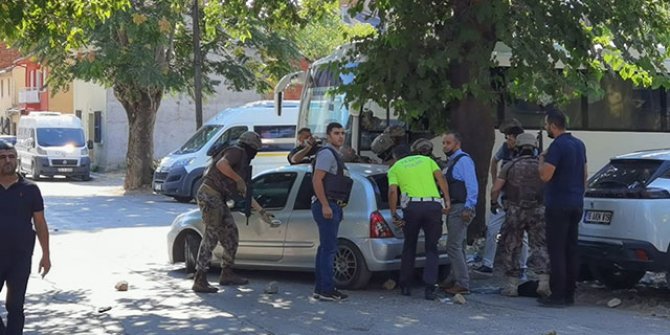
625,174
56,137
231,135
531,115
272,190
380,184
304,198
276,138
625,107
78,113
97,127
200,138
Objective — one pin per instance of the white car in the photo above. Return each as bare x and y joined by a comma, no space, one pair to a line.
625,230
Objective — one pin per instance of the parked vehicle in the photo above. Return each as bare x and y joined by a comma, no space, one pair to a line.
11,139
50,144
366,242
624,231
179,173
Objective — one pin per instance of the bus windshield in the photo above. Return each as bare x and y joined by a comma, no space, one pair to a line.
322,105
200,138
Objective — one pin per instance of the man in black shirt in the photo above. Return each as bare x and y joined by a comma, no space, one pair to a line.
306,148
21,205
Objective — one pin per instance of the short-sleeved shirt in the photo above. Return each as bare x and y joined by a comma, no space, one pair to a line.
18,203
325,161
415,176
305,159
504,154
565,189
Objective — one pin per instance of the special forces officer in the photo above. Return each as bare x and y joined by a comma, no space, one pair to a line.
422,207
520,180
222,180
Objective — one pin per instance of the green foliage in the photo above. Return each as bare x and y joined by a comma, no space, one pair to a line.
431,55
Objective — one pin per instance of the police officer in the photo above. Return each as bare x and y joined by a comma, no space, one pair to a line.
520,180
422,207
383,144
224,180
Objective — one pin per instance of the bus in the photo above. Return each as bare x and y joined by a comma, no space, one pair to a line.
625,118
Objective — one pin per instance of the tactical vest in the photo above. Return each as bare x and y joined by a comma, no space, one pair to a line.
457,190
523,186
217,180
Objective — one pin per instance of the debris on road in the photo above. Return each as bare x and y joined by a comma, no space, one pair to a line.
615,302
104,309
459,299
389,284
121,286
272,287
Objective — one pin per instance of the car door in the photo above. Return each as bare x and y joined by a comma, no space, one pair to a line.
260,241
302,237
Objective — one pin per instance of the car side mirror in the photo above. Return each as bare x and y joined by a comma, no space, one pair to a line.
89,144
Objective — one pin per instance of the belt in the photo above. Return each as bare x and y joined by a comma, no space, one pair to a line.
425,199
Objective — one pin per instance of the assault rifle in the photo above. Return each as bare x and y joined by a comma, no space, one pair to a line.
540,145
248,197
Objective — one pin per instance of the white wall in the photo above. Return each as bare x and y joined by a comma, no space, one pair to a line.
89,97
175,122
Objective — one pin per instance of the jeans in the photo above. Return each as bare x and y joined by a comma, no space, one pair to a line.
14,271
325,253
426,216
562,232
457,230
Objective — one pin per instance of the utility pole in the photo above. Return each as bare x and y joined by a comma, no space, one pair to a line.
197,65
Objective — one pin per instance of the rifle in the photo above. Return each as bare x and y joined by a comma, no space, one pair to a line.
540,145
248,197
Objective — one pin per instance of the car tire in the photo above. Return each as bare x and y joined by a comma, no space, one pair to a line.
616,279
86,177
350,270
35,171
196,186
183,200
191,246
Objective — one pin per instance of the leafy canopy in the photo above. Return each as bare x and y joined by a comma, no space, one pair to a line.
431,54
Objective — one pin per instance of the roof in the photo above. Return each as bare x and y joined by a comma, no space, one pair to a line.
658,154
361,169
265,107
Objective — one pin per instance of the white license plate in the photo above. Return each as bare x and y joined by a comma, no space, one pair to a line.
64,169
598,217
158,187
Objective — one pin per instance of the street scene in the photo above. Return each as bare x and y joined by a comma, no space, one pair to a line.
334,167
101,237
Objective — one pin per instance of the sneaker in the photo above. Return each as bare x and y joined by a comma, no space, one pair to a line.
339,295
430,292
325,296
484,270
457,289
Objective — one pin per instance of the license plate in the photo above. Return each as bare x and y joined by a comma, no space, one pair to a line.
598,217
64,169
158,187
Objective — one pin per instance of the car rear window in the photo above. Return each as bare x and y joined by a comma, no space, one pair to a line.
625,174
381,186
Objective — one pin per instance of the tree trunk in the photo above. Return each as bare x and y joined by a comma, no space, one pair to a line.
141,105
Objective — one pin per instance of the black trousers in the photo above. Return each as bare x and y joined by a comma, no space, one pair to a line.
14,271
426,216
562,232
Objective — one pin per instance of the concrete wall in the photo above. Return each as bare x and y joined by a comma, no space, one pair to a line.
88,98
175,122
63,101
6,90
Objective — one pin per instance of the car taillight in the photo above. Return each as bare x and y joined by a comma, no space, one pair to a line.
378,226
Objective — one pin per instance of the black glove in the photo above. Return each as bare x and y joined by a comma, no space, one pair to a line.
495,207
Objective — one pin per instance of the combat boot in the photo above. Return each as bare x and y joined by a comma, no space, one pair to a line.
228,277
511,288
200,283
543,288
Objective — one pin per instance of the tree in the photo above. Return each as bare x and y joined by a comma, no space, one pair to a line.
433,59
143,48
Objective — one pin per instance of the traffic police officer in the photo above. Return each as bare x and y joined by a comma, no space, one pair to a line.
418,177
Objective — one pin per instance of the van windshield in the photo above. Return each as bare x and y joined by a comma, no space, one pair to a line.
200,138
58,137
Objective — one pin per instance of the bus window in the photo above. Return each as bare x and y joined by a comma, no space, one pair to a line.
276,138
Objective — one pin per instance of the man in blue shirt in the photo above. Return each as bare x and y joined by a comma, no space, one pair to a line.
563,169
462,181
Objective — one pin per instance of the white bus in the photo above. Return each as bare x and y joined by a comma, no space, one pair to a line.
626,118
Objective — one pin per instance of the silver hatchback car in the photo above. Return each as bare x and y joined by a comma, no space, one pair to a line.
367,242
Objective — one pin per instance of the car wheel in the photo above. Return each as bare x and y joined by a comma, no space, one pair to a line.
195,188
616,279
350,269
191,246
183,200
35,172
86,176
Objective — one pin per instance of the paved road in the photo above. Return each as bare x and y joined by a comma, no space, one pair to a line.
100,236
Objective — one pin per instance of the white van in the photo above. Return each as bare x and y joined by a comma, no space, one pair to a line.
180,173
50,144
